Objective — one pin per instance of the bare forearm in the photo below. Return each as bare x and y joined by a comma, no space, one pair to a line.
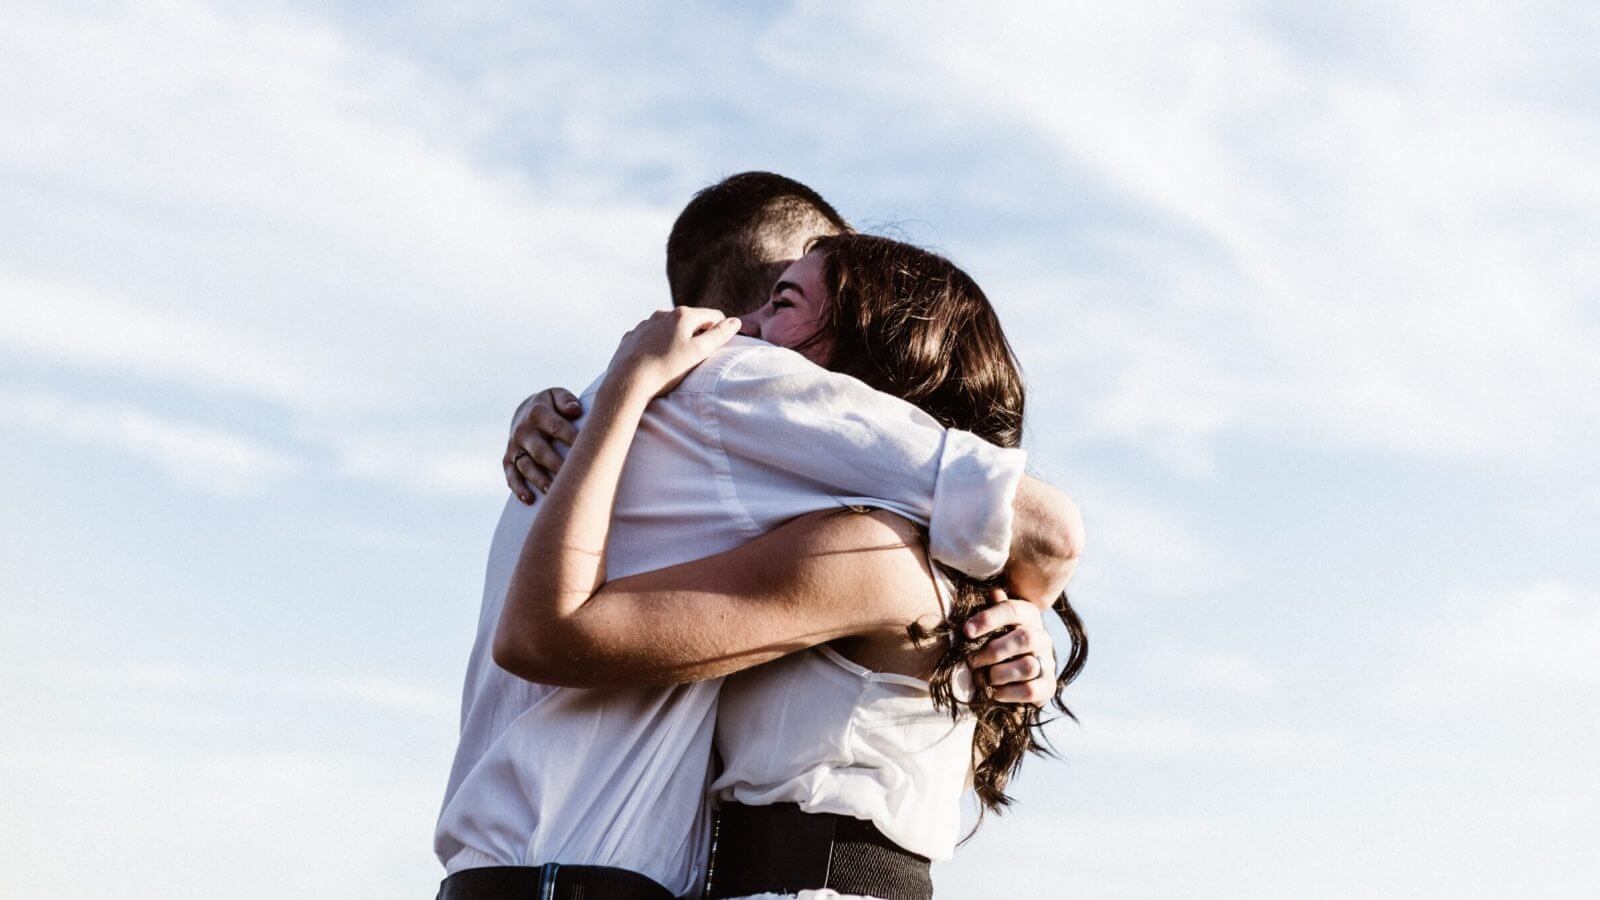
1047,537
563,559
774,595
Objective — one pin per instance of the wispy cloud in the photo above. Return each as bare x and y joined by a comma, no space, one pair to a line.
1491,647
1223,239
1371,251
200,456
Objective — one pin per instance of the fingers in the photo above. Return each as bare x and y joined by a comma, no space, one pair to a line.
1018,661
551,423
1037,692
530,472
1017,642
701,320
1017,671
539,462
565,403
716,334
1002,614
530,461
515,481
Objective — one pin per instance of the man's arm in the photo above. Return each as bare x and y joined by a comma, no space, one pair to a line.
531,460
777,418
1046,529
1046,539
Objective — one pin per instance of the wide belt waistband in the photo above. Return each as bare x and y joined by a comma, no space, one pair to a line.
784,850
551,881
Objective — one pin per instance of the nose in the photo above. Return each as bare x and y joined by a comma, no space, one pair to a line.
750,325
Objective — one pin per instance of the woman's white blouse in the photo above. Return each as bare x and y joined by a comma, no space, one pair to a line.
816,729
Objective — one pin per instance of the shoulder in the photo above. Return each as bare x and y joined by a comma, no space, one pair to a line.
746,360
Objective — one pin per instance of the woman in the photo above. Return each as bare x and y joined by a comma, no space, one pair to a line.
845,747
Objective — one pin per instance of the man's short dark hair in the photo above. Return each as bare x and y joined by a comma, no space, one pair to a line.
714,254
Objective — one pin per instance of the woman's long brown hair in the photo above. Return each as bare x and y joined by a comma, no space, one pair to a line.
910,323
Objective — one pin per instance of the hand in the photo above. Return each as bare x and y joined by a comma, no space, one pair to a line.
1019,663
661,350
530,459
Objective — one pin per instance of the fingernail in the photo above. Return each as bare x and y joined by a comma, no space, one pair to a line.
525,498
971,629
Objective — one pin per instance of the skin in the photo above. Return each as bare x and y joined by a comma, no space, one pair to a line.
606,649
794,311
563,623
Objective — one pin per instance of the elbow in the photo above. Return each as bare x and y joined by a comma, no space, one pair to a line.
554,656
517,655
1067,544
1051,528
1049,539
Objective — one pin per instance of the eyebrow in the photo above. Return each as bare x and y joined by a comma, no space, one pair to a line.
778,288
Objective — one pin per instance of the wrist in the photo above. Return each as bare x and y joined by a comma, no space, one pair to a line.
624,395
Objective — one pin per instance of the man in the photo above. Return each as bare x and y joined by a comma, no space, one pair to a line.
572,792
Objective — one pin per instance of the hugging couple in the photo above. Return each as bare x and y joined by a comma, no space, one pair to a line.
782,606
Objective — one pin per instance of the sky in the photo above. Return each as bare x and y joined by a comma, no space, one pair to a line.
1307,298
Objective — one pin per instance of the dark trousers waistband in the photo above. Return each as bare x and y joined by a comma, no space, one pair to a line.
550,881
783,849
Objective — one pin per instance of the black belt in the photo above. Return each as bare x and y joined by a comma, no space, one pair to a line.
782,849
550,881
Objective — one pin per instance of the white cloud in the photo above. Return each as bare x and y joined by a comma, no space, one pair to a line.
1494,650
201,456
1138,551
71,324
1210,672
373,691
1377,255
440,462
1111,735
262,780
1339,227
253,203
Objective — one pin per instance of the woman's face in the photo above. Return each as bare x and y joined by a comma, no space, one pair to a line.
795,309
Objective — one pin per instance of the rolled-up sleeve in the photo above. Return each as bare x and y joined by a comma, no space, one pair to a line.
794,434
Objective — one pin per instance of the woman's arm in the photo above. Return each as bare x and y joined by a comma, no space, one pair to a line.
563,558
776,594
822,576
819,577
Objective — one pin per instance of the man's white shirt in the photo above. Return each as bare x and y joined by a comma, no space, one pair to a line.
751,438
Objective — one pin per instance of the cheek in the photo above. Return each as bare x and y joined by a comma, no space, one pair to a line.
779,329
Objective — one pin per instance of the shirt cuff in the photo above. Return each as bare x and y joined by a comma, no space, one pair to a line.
970,527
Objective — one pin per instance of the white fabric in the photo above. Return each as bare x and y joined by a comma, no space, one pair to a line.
815,728
752,437
823,894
